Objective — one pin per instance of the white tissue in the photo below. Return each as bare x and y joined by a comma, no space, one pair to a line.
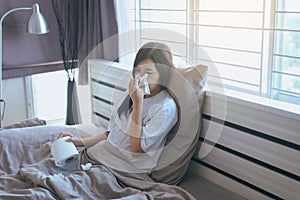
144,79
86,167
59,175
63,152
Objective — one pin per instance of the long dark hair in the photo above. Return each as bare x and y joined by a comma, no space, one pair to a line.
161,55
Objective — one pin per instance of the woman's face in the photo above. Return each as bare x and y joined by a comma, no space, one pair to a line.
148,67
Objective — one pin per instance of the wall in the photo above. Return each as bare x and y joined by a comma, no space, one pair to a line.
17,105
15,98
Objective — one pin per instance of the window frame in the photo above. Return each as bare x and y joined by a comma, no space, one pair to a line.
267,52
279,28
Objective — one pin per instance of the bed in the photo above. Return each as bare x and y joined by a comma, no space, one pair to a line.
28,170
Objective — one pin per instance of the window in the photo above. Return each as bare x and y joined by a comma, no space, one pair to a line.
254,44
286,53
231,32
49,99
168,14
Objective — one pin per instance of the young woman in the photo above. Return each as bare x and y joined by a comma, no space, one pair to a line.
140,122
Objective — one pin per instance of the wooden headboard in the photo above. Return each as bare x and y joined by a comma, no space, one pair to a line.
108,81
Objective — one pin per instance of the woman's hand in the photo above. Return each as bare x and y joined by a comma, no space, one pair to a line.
76,141
136,93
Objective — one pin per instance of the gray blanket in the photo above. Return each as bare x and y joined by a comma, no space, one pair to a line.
27,171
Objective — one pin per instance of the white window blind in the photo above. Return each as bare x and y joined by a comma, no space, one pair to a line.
254,44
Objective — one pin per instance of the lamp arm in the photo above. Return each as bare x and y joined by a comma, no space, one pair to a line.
11,11
1,21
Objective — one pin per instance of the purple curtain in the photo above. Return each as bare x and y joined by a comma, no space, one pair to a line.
97,23
82,26
66,13
25,54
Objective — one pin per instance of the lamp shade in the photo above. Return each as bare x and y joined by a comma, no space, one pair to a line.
37,24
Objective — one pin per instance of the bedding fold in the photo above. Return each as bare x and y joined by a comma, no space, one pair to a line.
27,171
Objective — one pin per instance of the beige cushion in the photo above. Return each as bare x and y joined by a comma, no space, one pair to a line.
187,87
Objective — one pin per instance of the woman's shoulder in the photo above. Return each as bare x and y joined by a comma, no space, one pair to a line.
166,100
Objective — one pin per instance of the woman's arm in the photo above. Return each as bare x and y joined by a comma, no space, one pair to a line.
85,142
90,141
137,96
136,129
